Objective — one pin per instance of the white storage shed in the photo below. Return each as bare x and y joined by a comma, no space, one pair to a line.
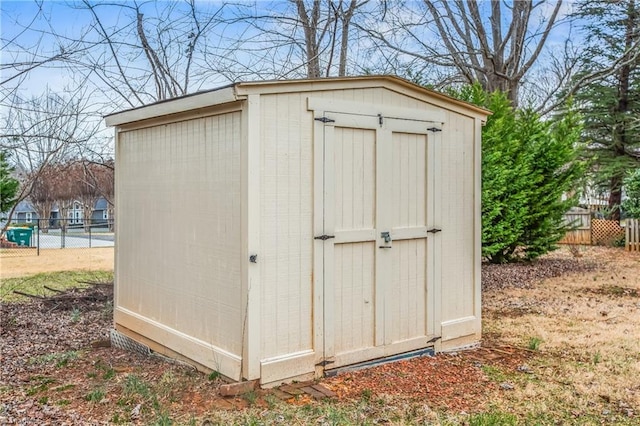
274,230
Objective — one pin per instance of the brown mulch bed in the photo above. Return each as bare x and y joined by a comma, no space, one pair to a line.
527,274
53,359
454,381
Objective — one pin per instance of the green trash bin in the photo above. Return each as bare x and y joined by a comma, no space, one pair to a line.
20,236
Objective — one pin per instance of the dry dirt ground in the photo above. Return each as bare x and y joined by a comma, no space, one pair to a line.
26,262
561,345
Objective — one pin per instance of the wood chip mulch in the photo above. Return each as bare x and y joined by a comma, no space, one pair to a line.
453,381
527,274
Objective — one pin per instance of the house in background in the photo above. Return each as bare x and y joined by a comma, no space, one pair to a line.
100,212
25,213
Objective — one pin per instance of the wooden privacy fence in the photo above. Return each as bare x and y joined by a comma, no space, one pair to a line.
600,232
580,222
632,235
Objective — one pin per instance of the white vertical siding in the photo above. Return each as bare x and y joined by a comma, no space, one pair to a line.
179,232
287,225
458,213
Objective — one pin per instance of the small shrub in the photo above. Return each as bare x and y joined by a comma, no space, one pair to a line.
95,395
251,397
597,357
62,358
366,394
534,343
163,420
271,400
134,386
107,310
65,357
116,419
619,242
109,374
75,315
214,375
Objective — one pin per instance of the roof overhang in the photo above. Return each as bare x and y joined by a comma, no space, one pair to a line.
239,91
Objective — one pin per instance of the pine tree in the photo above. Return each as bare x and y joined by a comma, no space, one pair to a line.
611,105
8,185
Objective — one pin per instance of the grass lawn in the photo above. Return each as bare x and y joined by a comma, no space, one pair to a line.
35,284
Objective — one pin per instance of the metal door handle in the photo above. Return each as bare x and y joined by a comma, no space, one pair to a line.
386,235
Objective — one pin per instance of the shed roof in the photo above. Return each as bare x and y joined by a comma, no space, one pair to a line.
240,90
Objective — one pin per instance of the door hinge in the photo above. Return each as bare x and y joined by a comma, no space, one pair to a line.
380,119
324,363
324,237
325,119
434,129
434,230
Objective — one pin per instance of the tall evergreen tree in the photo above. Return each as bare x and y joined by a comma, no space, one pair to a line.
528,164
611,105
631,205
8,185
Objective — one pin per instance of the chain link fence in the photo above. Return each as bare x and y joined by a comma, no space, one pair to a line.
31,239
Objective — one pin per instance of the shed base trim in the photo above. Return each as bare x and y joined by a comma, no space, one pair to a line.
460,327
381,361
203,353
287,367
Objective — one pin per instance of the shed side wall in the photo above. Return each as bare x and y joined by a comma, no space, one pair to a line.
178,254
458,213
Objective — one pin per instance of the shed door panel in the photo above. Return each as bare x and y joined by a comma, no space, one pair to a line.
407,310
377,294
354,251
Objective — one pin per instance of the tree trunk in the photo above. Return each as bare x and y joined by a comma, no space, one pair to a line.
621,110
615,198
344,42
310,27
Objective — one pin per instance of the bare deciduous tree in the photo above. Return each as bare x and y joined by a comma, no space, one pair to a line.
300,38
146,57
92,181
42,194
45,130
495,43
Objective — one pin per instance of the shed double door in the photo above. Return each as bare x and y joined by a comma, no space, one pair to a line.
374,240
